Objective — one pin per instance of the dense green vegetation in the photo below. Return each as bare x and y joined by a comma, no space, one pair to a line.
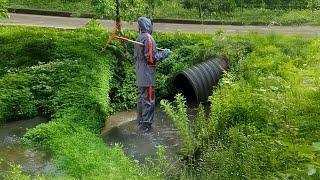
289,12
244,15
64,75
82,6
264,119
265,115
3,8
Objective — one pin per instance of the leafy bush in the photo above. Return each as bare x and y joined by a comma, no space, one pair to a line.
128,10
16,98
272,4
263,120
248,157
178,114
295,17
194,132
73,88
223,7
3,8
38,50
78,86
74,6
314,4
259,111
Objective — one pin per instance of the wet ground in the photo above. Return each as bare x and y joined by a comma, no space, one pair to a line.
33,161
121,129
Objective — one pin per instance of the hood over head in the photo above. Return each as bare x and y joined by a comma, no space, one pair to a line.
145,25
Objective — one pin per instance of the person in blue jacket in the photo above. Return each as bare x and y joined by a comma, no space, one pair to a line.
146,57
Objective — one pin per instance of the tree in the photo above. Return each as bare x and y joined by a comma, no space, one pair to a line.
209,7
314,4
203,6
151,4
223,6
3,8
128,10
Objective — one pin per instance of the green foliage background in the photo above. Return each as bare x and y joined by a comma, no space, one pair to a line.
64,75
279,12
69,82
3,8
264,117
263,122
266,113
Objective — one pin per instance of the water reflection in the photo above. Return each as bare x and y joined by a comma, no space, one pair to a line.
33,161
138,145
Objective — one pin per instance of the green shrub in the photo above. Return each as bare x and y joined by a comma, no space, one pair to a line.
296,17
179,116
194,132
263,120
3,8
313,4
223,7
244,157
73,89
74,6
16,99
263,115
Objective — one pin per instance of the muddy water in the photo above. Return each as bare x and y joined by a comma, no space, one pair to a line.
33,161
121,129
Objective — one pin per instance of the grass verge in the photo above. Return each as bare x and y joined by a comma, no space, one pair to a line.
176,13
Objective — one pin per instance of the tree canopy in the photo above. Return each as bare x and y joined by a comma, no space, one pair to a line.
3,8
150,6
209,7
128,10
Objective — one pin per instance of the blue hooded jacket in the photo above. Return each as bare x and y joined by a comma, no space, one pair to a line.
146,72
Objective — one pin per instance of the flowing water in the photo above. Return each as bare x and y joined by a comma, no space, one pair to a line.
33,161
121,129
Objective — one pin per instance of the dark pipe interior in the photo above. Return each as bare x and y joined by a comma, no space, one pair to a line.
184,86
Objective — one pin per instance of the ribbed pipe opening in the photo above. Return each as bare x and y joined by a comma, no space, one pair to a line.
183,84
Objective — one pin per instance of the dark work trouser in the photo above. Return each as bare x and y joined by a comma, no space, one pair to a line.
145,104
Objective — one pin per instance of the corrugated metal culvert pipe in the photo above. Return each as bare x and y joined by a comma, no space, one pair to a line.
197,82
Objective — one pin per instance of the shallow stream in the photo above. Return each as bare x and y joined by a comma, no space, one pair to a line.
121,128
33,161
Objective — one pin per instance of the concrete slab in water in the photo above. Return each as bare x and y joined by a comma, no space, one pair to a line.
118,119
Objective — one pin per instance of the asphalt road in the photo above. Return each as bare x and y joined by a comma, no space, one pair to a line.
73,23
